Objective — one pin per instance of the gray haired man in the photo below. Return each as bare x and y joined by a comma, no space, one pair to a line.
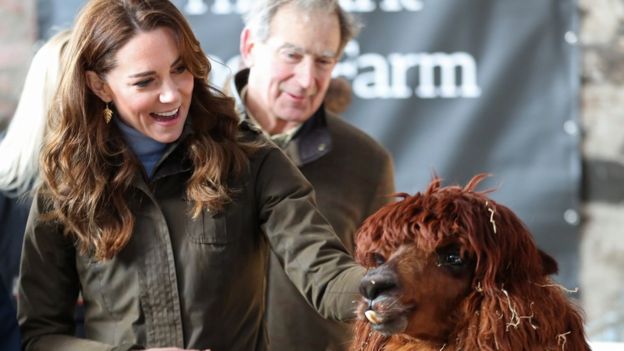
290,48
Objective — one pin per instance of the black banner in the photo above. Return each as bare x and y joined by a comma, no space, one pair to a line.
454,87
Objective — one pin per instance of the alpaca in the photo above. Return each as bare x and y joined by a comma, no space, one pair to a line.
450,269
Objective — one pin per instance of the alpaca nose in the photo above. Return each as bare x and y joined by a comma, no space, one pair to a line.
376,282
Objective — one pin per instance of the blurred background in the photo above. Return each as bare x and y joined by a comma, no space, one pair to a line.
530,91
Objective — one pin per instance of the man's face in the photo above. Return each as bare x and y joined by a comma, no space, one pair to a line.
291,70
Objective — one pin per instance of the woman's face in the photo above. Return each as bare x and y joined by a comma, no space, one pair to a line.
150,86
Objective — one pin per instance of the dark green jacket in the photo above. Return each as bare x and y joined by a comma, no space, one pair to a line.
182,282
352,177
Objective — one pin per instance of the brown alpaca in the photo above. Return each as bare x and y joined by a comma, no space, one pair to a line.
452,270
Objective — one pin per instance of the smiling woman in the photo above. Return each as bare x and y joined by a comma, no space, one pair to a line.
157,206
150,87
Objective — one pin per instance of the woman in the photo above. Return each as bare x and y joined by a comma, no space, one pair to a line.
19,171
157,206
20,146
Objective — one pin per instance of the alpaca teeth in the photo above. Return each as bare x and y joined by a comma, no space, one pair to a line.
372,317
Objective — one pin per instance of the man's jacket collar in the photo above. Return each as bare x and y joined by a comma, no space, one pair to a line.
312,141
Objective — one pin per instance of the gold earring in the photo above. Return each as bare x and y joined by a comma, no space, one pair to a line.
108,114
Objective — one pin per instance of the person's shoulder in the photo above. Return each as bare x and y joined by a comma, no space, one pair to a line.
247,127
339,127
252,136
249,132
348,135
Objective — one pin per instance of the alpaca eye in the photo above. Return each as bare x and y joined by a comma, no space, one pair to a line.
450,256
377,259
452,260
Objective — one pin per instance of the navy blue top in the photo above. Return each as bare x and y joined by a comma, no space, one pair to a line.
148,150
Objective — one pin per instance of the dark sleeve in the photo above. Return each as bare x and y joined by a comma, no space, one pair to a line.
311,254
48,289
9,332
13,216
385,184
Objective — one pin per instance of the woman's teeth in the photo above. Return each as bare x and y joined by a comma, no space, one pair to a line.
166,115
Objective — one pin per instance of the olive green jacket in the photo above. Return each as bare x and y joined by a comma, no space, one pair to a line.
353,177
182,282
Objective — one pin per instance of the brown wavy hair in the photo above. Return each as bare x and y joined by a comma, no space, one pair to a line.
87,167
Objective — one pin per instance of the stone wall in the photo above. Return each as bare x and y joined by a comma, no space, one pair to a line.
17,37
602,118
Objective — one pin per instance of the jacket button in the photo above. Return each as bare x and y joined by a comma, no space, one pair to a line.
321,147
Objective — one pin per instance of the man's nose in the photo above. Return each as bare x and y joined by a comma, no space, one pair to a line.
305,72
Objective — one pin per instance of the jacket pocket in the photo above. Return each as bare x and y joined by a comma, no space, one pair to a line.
208,229
102,283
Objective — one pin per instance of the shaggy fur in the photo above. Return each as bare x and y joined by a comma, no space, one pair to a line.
450,269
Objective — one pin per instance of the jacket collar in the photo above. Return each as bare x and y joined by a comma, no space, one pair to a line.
311,142
174,159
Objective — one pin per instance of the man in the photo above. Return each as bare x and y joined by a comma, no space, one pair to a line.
290,48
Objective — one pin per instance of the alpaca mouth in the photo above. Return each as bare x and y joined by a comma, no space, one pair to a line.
387,316
373,317
387,324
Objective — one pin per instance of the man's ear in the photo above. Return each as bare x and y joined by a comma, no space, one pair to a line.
247,44
98,86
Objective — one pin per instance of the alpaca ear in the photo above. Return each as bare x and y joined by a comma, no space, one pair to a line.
549,264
